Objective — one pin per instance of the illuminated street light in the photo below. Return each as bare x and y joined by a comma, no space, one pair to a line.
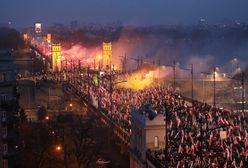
70,104
58,148
214,73
47,117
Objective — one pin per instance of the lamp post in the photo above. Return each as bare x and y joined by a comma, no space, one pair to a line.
174,73
192,80
88,88
159,64
214,80
234,62
206,130
166,137
243,89
214,76
99,57
111,91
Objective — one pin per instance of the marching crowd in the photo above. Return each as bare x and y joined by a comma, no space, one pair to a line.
193,130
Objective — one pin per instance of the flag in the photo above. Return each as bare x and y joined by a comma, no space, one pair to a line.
187,149
227,153
192,149
182,139
225,165
241,164
211,139
180,149
190,138
178,164
191,164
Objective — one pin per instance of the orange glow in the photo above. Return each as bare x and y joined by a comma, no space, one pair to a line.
99,56
49,38
139,80
58,148
25,37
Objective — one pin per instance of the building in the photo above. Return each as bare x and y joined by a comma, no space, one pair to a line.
106,55
148,134
38,28
8,110
74,25
56,57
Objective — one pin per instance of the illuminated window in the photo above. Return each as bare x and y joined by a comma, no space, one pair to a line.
156,142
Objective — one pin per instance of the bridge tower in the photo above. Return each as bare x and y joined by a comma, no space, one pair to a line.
56,57
106,54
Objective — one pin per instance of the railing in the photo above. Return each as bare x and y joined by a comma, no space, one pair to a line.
119,132
153,160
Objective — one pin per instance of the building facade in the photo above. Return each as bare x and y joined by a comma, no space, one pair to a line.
148,134
8,110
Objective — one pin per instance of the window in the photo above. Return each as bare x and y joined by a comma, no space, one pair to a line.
1,77
4,77
5,131
5,148
156,142
4,114
2,98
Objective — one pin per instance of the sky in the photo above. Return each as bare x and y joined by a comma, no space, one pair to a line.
22,13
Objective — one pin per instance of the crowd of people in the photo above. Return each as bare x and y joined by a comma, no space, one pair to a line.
194,136
193,130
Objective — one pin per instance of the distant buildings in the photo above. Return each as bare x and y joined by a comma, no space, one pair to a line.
148,135
74,25
8,110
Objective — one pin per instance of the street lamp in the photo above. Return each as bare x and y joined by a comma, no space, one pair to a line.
174,73
206,130
166,137
214,78
192,80
58,148
243,89
99,57
233,62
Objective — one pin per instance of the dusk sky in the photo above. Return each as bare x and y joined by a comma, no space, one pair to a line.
140,12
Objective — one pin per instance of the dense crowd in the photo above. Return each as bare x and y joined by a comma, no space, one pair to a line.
193,130
186,145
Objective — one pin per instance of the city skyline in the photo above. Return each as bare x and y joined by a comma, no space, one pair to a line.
135,12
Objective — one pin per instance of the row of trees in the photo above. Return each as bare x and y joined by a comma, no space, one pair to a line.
10,38
73,134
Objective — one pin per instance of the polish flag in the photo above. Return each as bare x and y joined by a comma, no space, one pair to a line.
241,164
211,139
180,149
